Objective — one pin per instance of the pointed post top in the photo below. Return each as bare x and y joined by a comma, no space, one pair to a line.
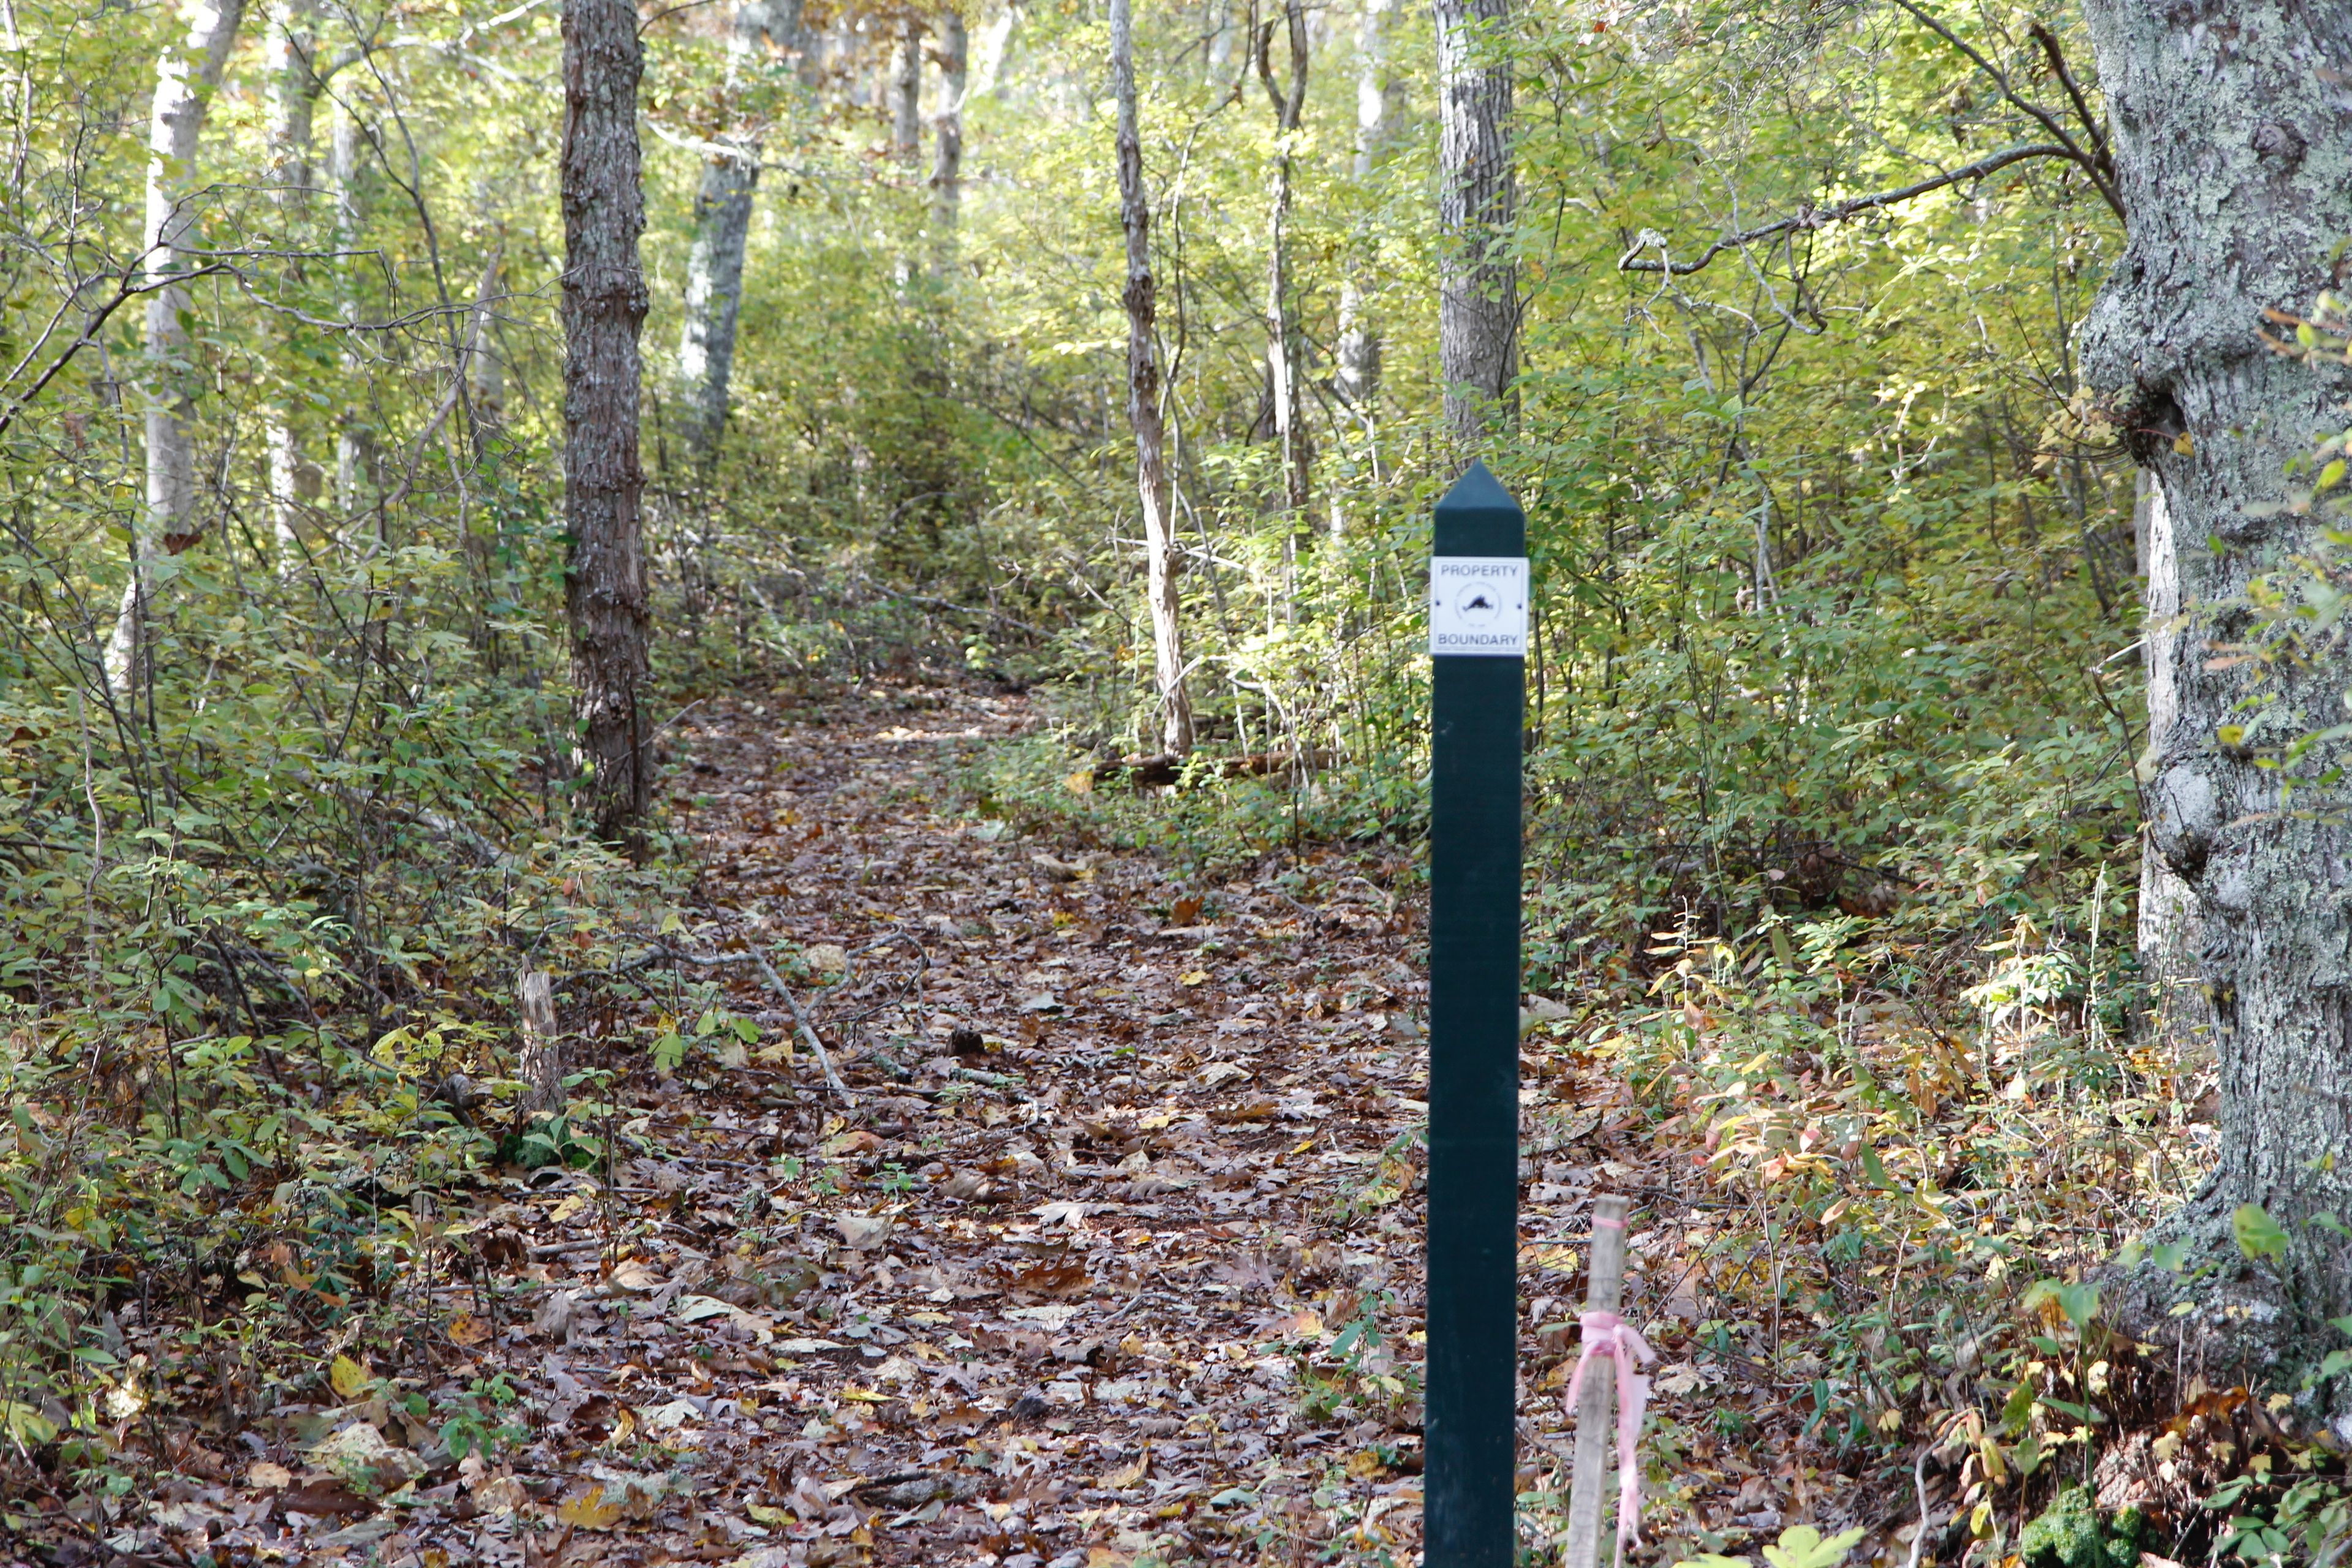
1478,517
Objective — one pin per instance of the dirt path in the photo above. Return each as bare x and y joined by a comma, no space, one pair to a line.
1108,1254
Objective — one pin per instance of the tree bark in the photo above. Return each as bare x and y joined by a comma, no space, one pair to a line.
187,74
1478,299
2167,909
604,482
1286,345
294,88
1162,562
722,227
947,138
2232,149
354,437
907,96
1358,377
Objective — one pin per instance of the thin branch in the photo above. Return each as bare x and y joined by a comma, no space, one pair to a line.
2040,116
824,1062
2057,57
1810,218
124,292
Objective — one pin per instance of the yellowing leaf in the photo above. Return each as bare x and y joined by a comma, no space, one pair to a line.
1126,1475
347,1378
465,1328
589,1511
23,1424
1197,977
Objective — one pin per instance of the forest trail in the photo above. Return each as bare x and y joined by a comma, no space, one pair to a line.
1129,1272
1112,1256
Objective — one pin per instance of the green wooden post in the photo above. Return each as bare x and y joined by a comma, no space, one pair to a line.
1478,619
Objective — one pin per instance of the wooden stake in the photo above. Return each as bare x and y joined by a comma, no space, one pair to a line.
1596,1428
542,1045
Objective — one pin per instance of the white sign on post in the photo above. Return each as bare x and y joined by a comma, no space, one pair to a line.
1478,606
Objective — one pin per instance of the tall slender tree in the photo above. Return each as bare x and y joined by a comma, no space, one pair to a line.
1358,373
187,73
1478,303
604,483
294,88
722,227
907,94
2229,153
1161,561
350,145
1285,339
947,135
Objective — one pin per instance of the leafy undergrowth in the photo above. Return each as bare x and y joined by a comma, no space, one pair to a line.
1106,1249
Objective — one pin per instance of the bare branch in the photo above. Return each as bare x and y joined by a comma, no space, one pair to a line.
2073,150
1810,218
2057,57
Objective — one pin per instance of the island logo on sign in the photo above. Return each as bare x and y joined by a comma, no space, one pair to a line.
1478,606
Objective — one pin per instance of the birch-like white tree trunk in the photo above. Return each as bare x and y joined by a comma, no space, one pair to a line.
294,88
2167,908
722,228
1358,374
1477,202
2233,145
1162,562
348,148
1285,344
187,72
604,479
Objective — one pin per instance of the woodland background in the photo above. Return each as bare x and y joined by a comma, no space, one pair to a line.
1836,696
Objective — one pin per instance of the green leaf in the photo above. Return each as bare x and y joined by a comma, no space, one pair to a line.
25,1424
2079,1302
1801,1546
2258,1236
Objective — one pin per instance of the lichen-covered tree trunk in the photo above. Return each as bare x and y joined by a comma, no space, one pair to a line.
1477,201
187,74
722,228
604,482
1162,562
2232,142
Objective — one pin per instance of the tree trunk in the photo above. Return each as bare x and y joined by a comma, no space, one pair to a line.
1358,378
947,143
1161,560
2230,146
354,437
604,310
1478,299
722,227
2167,923
187,74
294,88
1286,343
540,1063
907,96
